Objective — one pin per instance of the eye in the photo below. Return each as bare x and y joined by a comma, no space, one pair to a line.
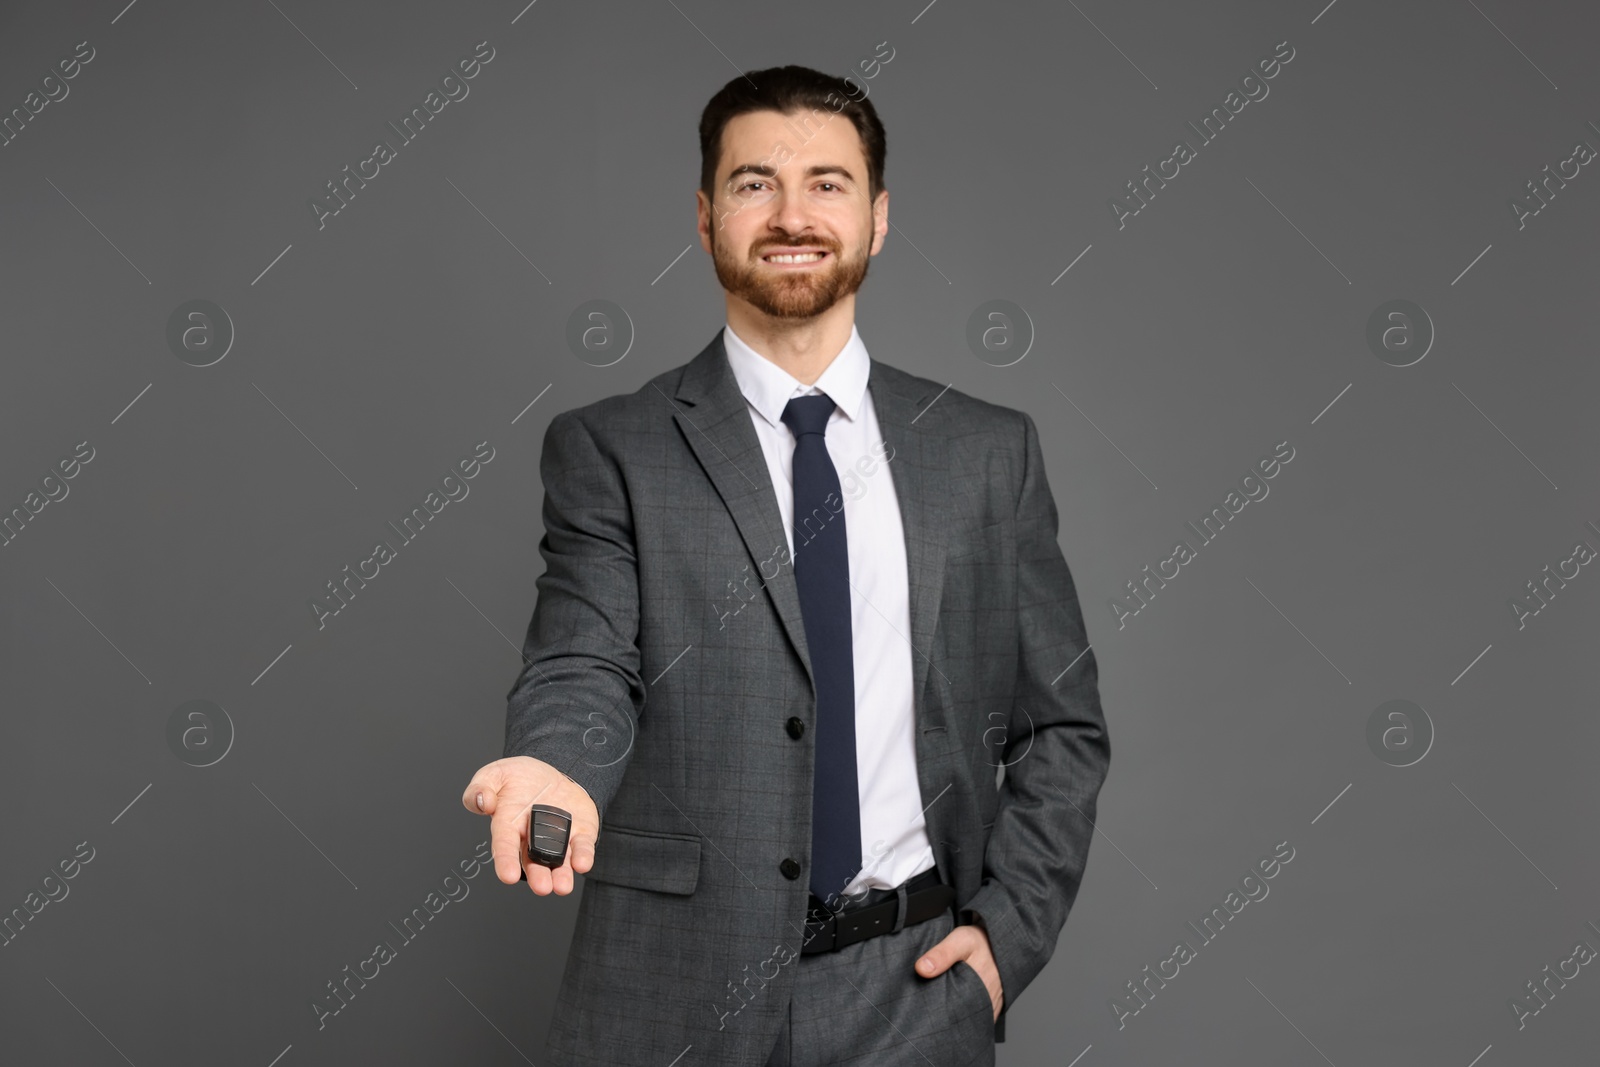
835,185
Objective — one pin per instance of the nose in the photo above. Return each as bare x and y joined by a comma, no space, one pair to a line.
790,213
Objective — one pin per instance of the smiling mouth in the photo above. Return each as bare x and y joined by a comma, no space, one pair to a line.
793,259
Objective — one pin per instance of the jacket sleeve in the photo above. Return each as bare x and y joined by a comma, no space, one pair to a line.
577,700
1034,861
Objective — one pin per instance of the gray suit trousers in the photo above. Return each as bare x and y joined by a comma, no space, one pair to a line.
865,1004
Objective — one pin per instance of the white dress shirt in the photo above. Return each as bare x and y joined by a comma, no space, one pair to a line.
894,838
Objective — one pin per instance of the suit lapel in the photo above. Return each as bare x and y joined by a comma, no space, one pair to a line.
714,419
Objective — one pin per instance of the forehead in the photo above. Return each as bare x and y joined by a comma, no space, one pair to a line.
799,138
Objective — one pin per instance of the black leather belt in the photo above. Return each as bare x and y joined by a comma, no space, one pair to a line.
878,913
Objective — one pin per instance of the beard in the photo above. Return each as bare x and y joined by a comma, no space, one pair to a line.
791,294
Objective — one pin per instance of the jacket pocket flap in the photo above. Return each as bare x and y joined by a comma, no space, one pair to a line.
645,859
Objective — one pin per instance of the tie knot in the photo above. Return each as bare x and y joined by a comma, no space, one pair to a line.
808,414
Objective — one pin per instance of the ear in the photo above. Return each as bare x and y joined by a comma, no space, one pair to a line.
705,218
880,221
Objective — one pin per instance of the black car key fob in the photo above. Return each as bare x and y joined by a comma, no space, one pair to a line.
548,829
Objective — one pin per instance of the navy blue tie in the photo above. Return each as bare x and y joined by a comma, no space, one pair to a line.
822,575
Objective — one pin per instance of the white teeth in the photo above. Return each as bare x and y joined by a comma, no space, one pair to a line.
808,257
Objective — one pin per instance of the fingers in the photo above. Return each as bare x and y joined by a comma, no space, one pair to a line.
541,879
482,796
506,843
545,880
580,856
937,959
956,945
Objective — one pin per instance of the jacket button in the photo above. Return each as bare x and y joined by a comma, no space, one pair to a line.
796,727
790,869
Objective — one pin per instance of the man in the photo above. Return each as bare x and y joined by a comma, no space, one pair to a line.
798,608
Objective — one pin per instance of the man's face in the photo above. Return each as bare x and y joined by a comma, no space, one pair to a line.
789,185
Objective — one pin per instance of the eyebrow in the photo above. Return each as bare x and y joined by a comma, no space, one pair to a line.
812,171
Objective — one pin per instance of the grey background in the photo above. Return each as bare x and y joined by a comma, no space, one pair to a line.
1226,317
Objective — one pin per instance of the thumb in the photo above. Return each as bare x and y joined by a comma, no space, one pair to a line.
940,958
483,791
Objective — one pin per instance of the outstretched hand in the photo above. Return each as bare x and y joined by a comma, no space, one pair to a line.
505,790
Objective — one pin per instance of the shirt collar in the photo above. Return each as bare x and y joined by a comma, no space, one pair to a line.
769,388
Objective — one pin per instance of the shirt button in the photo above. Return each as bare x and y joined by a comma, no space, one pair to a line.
796,727
790,869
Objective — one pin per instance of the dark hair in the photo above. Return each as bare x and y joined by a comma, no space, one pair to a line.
788,89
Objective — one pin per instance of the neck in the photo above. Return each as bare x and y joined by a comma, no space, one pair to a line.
802,347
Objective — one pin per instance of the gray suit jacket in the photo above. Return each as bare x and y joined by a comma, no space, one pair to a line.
666,660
